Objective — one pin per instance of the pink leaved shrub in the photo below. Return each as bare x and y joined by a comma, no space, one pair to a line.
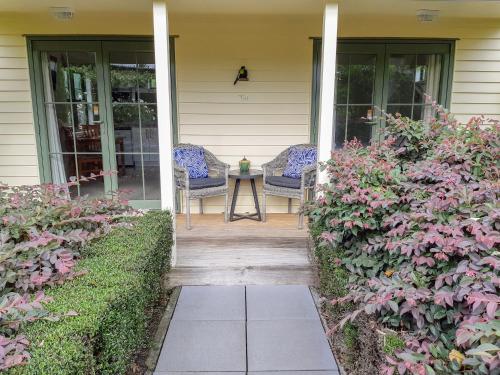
42,231
417,220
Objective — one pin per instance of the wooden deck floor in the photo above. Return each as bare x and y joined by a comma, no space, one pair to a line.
242,252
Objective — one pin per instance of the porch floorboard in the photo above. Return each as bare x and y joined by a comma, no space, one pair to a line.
242,253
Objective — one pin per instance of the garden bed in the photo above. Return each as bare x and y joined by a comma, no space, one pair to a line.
406,236
121,281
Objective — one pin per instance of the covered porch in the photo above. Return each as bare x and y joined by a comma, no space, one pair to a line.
318,71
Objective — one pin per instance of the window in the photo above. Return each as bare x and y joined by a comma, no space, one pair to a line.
96,110
372,76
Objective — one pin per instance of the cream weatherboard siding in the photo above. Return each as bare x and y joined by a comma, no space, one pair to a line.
18,154
476,86
257,119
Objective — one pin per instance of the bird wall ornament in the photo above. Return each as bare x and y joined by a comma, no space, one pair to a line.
242,75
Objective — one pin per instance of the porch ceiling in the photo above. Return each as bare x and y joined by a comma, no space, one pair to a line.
448,8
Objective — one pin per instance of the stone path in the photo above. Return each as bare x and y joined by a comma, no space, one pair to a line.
261,329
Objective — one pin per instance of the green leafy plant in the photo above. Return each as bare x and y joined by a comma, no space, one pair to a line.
41,233
416,218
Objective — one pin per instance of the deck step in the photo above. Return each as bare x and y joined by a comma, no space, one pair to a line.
251,275
242,252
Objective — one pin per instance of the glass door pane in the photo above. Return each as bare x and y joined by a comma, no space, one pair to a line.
412,77
356,97
132,87
73,116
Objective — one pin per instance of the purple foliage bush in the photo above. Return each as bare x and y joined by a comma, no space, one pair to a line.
42,231
416,219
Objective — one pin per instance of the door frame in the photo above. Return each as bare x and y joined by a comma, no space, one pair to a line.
383,47
98,44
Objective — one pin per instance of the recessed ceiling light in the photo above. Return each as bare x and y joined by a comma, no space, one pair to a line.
427,15
62,13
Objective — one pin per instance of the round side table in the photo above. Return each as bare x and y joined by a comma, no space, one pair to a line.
251,175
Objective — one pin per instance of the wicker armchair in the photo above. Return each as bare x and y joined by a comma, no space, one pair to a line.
275,184
199,188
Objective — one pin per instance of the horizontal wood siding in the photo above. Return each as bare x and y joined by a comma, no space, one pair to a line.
256,119
476,80
18,154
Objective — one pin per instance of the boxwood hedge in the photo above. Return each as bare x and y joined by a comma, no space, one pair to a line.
123,278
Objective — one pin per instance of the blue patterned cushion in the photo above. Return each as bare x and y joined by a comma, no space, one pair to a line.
298,158
192,158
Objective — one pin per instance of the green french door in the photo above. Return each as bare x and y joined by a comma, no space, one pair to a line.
393,76
96,111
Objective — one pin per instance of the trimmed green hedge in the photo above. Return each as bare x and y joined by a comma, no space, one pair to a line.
124,271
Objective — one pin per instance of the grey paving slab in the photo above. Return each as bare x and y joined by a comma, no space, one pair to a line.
269,302
193,345
333,372
211,303
288,345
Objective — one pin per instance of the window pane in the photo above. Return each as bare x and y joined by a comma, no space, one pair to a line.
361,79
127,129
62,167
340,122
342,78
401,78
146,77
60,127
83,76
123,70
130,175
359,126
152,176
56,78
427,77
404,110
149,127
87,127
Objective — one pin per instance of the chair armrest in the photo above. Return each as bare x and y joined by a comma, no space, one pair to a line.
218,166
181,176
272,166
309,176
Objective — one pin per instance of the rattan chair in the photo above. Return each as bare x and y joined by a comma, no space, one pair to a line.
199,188
276,184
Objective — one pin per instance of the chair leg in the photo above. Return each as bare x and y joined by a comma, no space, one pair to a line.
201,206
301,212
226,198
289,205
188,212
264,207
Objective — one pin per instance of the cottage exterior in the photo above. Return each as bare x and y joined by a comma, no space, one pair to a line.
318,72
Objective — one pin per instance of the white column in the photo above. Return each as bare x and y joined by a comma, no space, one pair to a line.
326,126
164,110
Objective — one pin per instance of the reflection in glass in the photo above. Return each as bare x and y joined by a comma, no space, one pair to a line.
340,123
401,78
146,78
342,75
56,77
361,79
149,128
130,175
358,125
123,68
152,176
411,78
135,120
83,76
404,110
355,96
127,127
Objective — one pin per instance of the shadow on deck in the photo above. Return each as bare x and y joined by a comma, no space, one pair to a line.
242,252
